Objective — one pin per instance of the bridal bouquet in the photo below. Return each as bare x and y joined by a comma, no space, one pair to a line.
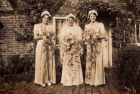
72,48
69,41
71,44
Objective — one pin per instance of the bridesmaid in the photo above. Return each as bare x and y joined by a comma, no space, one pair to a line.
94,35
45,71
71,49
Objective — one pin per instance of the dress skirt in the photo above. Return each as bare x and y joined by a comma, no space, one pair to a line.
45,70
95,74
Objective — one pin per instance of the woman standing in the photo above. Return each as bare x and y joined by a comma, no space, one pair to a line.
45,71
94,35
71,36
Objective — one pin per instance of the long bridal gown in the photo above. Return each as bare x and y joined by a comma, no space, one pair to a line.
71,69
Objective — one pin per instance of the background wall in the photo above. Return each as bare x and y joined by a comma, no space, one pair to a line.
13,23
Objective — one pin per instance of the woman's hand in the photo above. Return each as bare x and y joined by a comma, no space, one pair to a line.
100,37
44,37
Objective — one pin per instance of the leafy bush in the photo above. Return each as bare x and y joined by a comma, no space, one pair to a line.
18,69
27,36
128,72
1,66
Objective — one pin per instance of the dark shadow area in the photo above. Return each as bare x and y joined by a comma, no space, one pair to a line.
1,25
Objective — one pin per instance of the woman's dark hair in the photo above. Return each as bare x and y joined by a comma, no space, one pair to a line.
93,14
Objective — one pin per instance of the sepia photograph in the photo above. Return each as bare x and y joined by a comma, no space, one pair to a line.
69,46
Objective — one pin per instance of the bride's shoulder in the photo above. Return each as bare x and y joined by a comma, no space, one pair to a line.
100,23
87,25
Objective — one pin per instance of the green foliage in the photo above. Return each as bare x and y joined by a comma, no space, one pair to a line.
122,32
121,20
26,36
18,68
2,65
133,6
128,73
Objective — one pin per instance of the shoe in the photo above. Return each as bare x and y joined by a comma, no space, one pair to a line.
43,85
49,84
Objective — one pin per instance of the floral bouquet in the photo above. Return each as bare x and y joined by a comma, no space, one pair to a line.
91,37
72,45
51,38
69,41
48,40
72,48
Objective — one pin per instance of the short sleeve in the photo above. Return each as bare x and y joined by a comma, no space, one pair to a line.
51,28
62,33
35,30
86,27
101,27
79,33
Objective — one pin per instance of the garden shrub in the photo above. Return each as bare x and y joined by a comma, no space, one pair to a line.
1,66
27,36
18,69
127,67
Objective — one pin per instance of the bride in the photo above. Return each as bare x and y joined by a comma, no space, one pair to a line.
70,51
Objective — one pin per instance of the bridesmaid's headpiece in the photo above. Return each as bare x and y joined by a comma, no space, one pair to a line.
45,13
92,12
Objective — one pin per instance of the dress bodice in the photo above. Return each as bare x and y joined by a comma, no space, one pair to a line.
74,31
41,29
96,27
